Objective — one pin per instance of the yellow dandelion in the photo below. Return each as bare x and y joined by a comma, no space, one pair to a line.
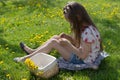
8,75
7,48
24,79
40,41
46,32
3,20
94,13
109,43
104,46
40,73
30,64
1,62
27,60
42,35
13,52
20,8
38,5
26,21
6,44
107,5
31,40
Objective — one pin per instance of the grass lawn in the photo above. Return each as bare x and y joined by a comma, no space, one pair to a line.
35,21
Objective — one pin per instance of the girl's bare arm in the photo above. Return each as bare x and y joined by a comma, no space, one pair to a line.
68,37
84,50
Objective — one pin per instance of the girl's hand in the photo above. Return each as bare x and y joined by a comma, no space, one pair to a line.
56,37
63,35
63,41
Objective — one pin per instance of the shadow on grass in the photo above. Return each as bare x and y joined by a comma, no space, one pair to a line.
109,30
106,71
108,23
58,76
33,77
10,47
31,5
3,2
7,46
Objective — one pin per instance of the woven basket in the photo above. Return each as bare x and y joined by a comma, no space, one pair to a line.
49,65
49,73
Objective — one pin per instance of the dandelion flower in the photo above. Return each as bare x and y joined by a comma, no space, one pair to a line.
1,62
30,64
8,75
24,79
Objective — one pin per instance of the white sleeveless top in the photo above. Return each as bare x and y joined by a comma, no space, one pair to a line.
91,35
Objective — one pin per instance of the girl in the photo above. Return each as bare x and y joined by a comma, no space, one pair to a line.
83,47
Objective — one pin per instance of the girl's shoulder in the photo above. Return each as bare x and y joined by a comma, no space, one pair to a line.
90,27
91,30
90,34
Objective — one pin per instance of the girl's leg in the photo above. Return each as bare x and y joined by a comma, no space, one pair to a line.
29,50
51,44
64,50
26,49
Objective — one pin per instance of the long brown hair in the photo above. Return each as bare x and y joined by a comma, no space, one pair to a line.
77,15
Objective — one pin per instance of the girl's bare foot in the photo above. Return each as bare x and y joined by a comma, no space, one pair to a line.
19,59
26,49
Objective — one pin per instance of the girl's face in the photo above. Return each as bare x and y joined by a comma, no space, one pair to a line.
65,12
66,17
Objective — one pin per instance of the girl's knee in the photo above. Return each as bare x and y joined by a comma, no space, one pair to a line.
64,40
55,37
54,41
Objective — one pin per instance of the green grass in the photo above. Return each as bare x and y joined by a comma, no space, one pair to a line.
35,21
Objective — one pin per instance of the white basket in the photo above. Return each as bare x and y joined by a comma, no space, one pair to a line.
47,65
